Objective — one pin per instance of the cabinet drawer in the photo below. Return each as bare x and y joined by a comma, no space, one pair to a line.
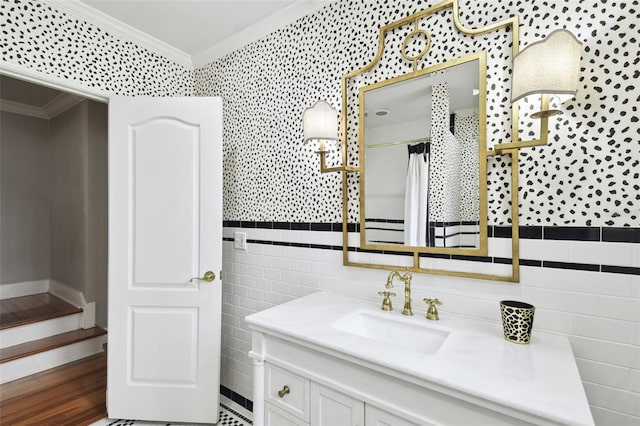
288,391
277,417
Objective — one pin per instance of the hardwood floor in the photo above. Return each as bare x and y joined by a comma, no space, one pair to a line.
73,394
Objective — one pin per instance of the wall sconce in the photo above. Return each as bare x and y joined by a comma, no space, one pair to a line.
320,122
550,69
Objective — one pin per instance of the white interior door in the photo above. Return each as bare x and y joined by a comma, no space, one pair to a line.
165,227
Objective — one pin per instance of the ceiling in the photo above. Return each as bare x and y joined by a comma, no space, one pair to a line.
189,25
411,99
201,30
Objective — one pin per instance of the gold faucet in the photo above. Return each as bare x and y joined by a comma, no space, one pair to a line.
386,302
432,311
406,279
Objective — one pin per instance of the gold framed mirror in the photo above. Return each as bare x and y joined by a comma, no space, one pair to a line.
422,142
453,234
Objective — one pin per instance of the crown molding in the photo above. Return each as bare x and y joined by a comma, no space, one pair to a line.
51,109
259,29
60,104
22,109
118,28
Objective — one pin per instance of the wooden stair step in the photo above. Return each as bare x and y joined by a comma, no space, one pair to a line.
30,348
34,308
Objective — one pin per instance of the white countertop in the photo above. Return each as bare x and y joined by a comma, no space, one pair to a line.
540,378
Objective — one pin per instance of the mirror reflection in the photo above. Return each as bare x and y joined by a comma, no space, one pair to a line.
421,142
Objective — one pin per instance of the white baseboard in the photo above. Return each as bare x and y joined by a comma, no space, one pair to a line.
58,289
89,315
67,293
25,288
76,298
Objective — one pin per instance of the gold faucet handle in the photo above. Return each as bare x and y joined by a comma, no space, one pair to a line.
432,311
386,302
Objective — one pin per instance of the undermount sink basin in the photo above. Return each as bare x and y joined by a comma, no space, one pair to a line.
392,331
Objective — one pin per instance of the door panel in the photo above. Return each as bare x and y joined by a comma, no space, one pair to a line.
180,326
165,228
165,155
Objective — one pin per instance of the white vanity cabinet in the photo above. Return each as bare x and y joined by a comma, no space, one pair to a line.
305,386
309,372
295,400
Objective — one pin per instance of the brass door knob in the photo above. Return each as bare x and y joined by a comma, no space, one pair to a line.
284,391
208,277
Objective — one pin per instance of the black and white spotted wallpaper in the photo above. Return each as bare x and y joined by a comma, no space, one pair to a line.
445,165
37,36
466,131
586,176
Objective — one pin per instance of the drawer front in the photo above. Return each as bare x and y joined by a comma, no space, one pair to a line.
277,417
287,391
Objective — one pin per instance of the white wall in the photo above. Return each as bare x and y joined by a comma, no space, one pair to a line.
25,176
68,201
97,209
79,202
599,312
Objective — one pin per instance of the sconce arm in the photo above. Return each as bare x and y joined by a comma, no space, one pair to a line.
343,168
501,147
544,134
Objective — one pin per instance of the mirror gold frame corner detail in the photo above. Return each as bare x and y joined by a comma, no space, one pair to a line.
508,149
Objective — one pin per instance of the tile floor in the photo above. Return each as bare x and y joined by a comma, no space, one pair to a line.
228,417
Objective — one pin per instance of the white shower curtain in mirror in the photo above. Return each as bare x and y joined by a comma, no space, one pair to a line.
416,199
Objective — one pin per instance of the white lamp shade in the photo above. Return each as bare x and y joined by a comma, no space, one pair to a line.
320,122
550,66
